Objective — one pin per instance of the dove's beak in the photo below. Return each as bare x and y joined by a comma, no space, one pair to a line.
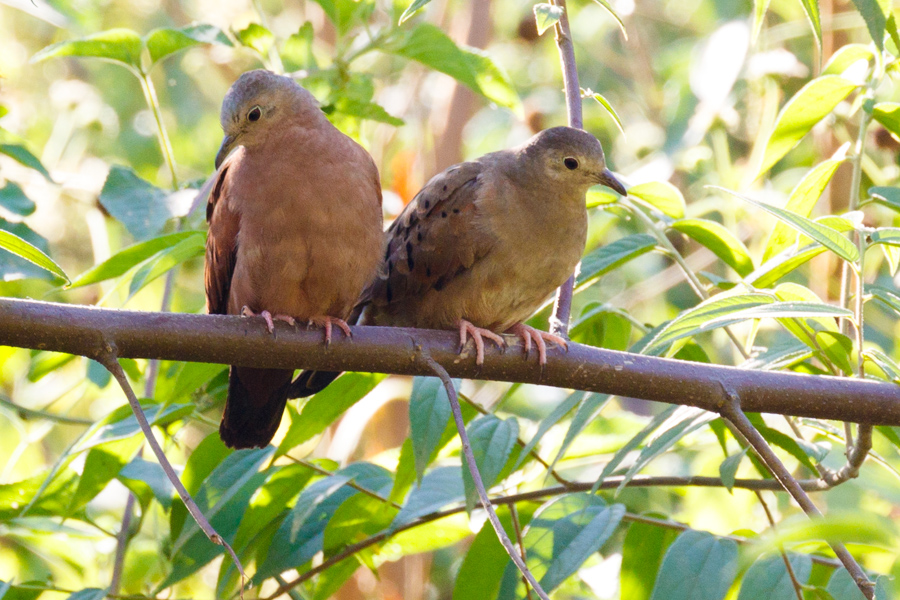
224,149
609,180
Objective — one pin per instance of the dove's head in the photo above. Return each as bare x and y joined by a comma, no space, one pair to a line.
258,103
571,157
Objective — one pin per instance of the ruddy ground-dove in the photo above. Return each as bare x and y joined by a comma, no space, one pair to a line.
295,232
485,243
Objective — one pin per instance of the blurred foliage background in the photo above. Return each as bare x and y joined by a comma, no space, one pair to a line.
697,87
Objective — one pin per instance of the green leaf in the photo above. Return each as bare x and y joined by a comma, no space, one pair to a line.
473,68
21,155
768,273
611,256
808,106
608,8
846,56
885,235
166,41
101,466
760,7
429,413
889,297
609,108
590,406
118,45
164,261
546,16
728,468
558,412
768,577
257,38
482,568
325,407
223,498
801,202
875,13
141,207
412,9
827,236
890,368
697,566
23,249
297,50
642,553
149,474
811,8
682,422
837,347
888,114
439,488
13,199
89,594
661,195
565,532
345,13
842,587
366,110
122,261
722,242
888,196
492,442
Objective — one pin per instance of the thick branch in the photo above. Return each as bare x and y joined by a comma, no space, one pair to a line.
92,332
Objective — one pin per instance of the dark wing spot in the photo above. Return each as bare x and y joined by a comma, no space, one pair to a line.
409,256
427,204
420,236
445,187
388,293
427,271
443,214
455,211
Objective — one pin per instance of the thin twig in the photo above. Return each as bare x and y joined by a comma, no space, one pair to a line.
111,363
41,414
562,305
122,545
476,476
351,483
731,410
798,587
536,496
514,513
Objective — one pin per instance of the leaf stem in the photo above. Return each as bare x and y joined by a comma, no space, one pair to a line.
164,144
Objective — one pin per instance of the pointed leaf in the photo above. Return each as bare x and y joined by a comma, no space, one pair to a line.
429,413
608,8
565,532
23,249
875,13
728,468
842,587
807,107
412,9
13,199
888,114
802,200
546,16
823,234
430,46
118,45
661,195
768,273
611,256
439,488
558,412
21,155
612,112
768,577
845,57
722,242
256,37
140,206
811,8
888,196
492,441
837,347
642,553
760,7
633,444
697,566
166,41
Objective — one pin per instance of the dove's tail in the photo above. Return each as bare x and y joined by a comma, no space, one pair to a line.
256,399
311,382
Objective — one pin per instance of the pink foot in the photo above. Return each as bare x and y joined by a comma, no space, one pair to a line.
327,322
270,319
530,333
478,333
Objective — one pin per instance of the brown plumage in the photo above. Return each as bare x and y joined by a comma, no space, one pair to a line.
485,243
295,231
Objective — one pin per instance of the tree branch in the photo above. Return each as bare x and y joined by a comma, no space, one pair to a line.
91,332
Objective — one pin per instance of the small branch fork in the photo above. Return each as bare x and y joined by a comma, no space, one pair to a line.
476,477
731,409
110,361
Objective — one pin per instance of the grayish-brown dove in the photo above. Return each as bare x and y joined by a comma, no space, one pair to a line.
295,232
485,243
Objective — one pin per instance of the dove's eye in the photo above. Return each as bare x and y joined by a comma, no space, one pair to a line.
571,163
254,114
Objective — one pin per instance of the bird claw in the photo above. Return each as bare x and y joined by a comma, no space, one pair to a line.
246,311
478,333
528,334
328,322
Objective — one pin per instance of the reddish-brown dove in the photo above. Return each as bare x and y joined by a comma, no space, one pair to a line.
485,243
295,232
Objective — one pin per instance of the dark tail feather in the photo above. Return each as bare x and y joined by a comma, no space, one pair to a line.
256,399
311,382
